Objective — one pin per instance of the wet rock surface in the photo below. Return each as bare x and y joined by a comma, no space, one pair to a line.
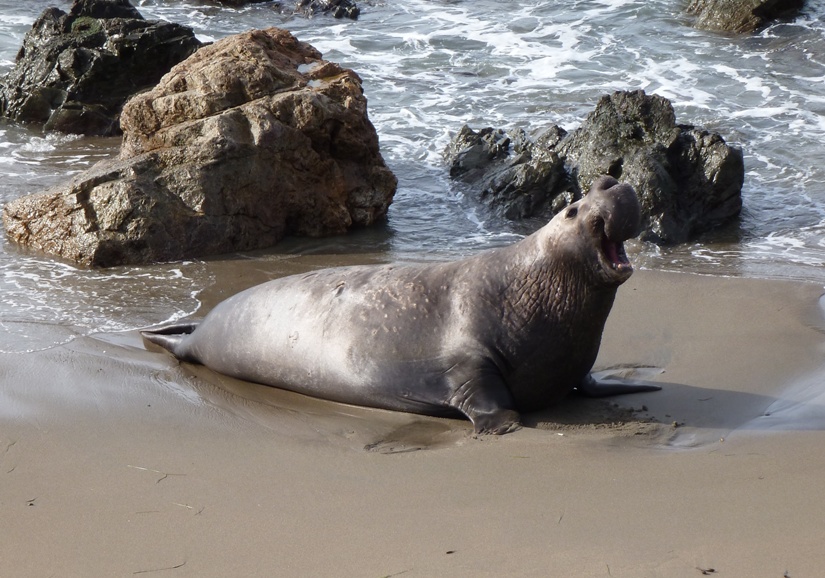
336,8
308,8
741,16
76,70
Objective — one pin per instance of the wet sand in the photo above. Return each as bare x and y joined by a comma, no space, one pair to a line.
117,461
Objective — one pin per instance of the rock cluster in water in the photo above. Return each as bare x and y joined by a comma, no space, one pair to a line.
251,138
336,8
741,16
689,181
75,70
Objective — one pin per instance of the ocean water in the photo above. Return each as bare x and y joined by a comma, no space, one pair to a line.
430,66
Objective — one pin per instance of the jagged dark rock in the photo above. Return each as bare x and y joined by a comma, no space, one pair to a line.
512,177
75,70
689,181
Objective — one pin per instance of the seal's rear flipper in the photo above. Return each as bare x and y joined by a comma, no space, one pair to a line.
169,337
589,387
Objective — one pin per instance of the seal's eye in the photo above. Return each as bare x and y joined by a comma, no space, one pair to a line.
571,213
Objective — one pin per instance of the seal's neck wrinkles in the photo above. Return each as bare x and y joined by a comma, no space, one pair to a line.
550,291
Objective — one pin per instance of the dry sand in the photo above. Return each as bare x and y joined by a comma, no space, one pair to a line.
116,461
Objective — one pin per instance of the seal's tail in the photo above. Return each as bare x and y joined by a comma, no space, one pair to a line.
170,336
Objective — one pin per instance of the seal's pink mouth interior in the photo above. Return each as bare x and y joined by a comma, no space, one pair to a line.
614,252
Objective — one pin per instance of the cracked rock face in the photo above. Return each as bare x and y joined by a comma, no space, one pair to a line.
251,138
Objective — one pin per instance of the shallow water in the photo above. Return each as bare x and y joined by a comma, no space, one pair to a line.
429,67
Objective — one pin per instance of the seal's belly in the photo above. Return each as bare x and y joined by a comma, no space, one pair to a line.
326,348
406,385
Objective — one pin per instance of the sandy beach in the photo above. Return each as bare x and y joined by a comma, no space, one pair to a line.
117,461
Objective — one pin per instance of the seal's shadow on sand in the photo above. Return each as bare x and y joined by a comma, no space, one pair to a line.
679,415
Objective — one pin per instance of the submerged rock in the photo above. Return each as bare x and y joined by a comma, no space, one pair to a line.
338,8
689,181
308,8
75,70
250,139
741,16
237,3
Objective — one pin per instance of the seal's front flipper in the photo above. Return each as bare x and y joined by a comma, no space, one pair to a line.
497,423
589,387
170,336
488,404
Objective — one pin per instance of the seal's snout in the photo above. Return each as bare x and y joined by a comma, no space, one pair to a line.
618,206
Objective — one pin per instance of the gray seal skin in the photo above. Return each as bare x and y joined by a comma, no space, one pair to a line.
509,330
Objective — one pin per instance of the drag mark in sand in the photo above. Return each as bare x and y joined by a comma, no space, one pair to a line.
161,569
163,474
6,452
198,513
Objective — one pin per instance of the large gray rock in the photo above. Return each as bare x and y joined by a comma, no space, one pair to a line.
250,139
741,16
689,181
75,70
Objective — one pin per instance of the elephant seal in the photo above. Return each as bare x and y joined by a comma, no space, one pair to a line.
506,331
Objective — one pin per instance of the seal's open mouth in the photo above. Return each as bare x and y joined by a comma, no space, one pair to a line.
615,255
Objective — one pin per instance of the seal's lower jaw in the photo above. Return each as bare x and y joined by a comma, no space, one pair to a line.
616,265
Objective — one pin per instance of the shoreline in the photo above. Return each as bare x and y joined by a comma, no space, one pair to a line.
116,460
